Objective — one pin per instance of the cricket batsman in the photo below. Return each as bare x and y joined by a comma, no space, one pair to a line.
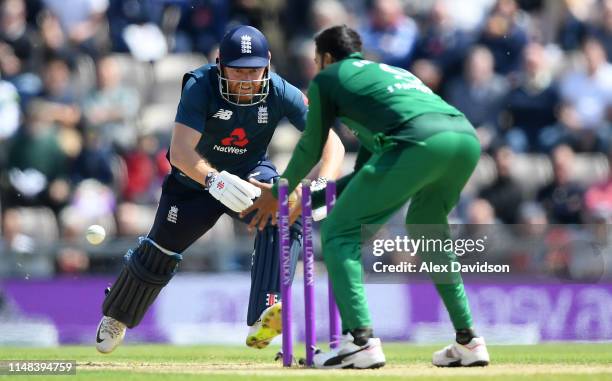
414,147
225,120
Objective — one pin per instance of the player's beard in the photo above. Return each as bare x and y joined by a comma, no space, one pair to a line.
238,88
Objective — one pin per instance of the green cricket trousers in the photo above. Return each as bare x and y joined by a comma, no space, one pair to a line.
431,176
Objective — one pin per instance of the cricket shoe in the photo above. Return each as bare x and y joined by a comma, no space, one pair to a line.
110,334
267,327
473,353
350,355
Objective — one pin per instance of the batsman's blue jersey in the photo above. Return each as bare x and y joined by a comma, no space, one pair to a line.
235,138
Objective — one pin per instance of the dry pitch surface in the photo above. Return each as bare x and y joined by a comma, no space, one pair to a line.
567,361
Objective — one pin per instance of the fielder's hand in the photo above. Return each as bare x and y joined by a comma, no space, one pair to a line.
266,206
232,191
296,209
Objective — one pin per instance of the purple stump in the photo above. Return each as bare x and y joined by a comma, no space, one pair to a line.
285,269
308,258
334,315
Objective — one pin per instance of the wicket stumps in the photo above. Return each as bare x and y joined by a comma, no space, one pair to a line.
334,315
309,276
285,269
308,258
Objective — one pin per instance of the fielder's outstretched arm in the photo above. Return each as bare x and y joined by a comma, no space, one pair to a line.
309,149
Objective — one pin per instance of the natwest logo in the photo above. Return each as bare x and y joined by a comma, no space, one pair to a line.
233,144
237,138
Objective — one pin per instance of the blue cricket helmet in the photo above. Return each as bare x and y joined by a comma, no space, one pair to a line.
244,47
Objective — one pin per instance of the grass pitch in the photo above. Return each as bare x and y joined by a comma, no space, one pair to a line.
558,362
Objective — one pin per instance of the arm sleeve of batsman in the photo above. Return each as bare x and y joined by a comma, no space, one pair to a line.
192,108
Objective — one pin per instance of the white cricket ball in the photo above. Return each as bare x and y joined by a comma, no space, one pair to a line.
95,234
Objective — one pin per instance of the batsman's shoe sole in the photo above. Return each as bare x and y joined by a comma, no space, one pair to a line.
268,326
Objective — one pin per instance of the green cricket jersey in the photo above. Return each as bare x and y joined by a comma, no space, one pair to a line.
376,101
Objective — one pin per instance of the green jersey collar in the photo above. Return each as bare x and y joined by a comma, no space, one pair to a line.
355,55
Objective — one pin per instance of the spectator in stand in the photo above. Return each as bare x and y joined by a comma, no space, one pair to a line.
468,15
589,91
442,43
15,31
146,167
326,13
92,162
28,84
480,93
562,198
570,131
323,14
110,110
389,35
505,193
201,25
9,113
480,212
122,13
144,171
37,166
602,30
58,97
429,73
574,26
82,21
598,197
504,36
533,102
54,40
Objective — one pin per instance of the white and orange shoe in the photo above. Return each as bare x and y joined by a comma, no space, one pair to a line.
473,353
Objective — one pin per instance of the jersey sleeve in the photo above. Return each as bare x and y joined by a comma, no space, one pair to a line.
295,105
192,109
321,115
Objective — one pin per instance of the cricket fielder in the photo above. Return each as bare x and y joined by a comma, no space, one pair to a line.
225,120
414,147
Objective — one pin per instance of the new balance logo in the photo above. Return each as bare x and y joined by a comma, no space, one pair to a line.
173,214
223,114
245,44
262,115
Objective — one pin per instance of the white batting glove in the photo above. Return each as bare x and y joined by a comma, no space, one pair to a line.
232,191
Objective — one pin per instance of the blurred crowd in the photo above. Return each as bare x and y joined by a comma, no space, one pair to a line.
88,91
